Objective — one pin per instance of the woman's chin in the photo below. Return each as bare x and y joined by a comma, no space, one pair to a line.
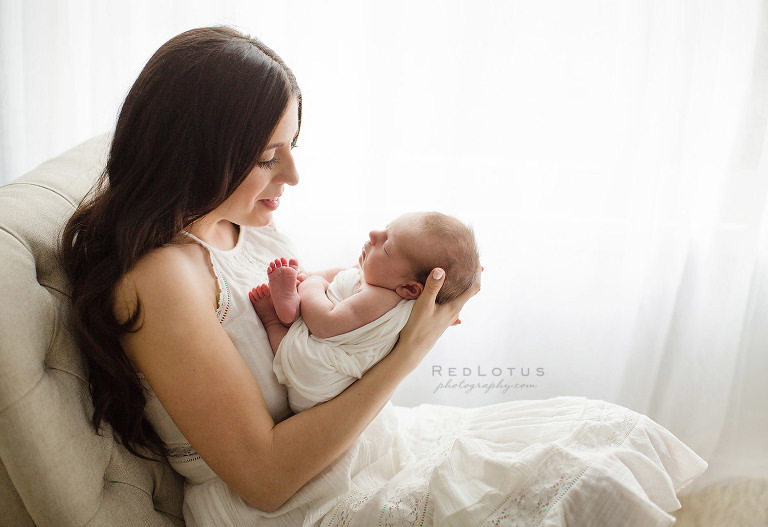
258,219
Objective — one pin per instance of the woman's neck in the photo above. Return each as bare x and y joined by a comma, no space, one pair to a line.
221,234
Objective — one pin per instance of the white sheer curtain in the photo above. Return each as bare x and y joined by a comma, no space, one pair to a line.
610,155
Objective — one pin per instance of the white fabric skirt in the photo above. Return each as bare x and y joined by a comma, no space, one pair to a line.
559,462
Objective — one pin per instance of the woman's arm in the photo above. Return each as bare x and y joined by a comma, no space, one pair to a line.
211,395
335,424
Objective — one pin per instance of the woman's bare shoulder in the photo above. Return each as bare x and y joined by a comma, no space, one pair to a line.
164,274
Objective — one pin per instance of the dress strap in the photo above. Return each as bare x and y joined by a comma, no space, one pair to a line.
198,240
222,307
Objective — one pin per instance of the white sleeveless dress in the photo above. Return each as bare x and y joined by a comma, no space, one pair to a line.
560,462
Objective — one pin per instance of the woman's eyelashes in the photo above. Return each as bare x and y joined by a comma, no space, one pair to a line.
272,162
269,164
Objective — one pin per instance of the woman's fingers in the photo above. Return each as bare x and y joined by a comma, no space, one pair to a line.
428,319
458,303
469,293
432,286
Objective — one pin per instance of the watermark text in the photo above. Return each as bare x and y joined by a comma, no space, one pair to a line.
479,378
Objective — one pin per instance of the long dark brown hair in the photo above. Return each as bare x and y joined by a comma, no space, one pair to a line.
190,130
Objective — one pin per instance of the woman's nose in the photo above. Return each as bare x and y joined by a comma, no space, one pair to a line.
289,175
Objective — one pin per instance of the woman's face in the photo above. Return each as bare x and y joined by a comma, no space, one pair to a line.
258,196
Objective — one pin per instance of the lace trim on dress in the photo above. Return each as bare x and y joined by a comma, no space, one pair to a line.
182,454
222,307
560,470
225,295
251,262
344,512
410,505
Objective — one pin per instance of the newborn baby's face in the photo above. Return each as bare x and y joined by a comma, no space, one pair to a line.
385,259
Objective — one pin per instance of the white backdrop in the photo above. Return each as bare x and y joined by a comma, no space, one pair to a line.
609,154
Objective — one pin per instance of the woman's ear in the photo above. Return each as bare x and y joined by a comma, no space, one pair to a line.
410,290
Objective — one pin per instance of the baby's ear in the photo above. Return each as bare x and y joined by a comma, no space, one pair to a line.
410,290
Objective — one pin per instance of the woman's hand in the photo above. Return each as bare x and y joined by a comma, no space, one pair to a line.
429,320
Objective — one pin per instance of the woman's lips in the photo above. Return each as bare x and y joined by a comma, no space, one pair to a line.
271,203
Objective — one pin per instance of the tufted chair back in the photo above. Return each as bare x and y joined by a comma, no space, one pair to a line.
54,469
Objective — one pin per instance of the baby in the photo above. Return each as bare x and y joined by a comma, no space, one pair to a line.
325,336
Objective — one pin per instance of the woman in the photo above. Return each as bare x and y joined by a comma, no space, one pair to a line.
201,147
161,257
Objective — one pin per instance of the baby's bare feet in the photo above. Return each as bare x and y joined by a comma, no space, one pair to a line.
282,285
261,301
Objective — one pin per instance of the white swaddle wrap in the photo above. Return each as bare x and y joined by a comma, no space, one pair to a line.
315,370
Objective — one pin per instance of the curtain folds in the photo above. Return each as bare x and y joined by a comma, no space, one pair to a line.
610,156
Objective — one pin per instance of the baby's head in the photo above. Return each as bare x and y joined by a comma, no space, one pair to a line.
401,257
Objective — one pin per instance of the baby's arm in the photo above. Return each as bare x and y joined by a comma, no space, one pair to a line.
324,319
327,274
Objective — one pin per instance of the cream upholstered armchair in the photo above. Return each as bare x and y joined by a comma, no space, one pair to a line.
54,469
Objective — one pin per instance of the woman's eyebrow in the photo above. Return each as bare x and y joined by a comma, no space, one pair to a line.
278,145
